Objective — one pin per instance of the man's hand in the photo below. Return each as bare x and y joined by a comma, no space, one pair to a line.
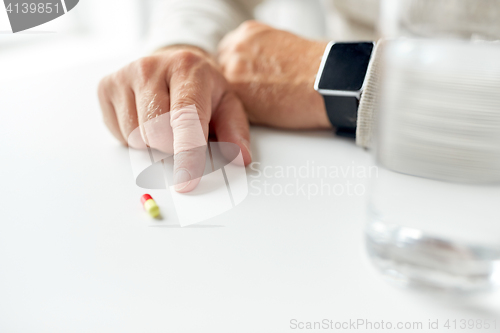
182,80
273,73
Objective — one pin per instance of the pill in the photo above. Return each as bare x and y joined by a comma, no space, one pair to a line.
150,205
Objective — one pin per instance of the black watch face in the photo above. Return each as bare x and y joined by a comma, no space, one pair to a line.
345,67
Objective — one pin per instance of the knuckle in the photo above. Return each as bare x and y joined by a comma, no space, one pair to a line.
226,52
249,26
117,78
234,69
183,111
234,50
182,107
240,45
244,37
186,58
145,68
222,48
185,114
108,86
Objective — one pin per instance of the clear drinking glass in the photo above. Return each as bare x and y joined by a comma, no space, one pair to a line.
434,209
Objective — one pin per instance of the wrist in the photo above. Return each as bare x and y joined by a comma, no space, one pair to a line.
315,55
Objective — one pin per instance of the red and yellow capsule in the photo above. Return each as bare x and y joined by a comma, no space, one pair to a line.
150,205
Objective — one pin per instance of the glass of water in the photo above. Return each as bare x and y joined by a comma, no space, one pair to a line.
434,209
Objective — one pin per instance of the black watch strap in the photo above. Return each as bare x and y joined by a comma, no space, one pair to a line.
340,80
342,112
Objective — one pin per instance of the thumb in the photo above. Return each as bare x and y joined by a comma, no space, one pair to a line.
230,124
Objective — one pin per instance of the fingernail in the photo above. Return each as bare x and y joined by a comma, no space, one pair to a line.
182,178
247,146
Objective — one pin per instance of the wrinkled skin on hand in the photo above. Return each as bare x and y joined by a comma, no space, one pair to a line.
188,83
273,73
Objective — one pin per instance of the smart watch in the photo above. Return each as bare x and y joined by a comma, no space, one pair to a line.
341,79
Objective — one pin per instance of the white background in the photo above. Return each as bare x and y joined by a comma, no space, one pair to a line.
78,254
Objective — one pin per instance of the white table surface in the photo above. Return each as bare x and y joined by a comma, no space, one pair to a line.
78,254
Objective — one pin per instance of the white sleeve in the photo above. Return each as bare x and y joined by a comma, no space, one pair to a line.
367,116
201,23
